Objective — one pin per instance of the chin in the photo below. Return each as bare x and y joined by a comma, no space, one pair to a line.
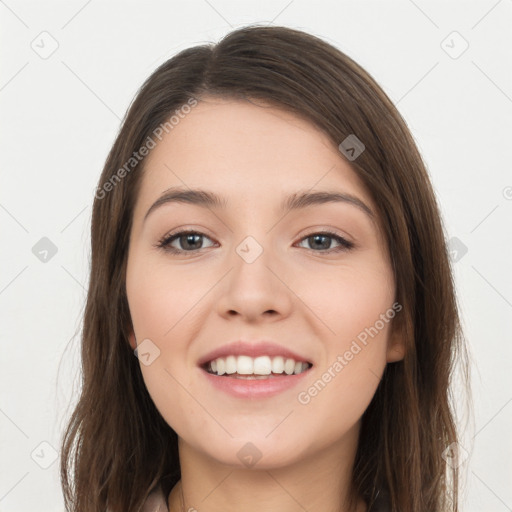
254,452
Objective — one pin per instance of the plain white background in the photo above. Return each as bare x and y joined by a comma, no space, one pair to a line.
60,115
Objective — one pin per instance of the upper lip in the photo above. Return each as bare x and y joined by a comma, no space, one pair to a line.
251,349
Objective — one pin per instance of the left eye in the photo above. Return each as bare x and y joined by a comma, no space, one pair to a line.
319,238
190,241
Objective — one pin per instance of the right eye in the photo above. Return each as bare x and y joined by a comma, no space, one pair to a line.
188,240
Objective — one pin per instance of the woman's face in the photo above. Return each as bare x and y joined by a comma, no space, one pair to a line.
251,271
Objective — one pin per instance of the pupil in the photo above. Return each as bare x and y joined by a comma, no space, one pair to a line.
188,238
325,245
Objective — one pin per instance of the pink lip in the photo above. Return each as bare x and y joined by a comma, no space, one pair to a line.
262,388
260,348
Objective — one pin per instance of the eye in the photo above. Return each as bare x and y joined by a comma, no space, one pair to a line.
190,241
323,240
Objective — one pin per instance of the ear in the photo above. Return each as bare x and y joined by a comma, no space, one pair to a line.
131,339
396,347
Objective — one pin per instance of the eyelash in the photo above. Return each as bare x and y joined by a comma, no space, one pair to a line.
164,242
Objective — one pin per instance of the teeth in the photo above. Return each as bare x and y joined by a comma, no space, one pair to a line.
278,364
230,364
244,365
262,365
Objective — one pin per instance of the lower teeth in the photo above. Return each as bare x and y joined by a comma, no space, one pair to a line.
252,377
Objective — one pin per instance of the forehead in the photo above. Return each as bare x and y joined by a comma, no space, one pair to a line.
239,148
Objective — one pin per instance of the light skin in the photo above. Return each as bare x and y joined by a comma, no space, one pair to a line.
299,292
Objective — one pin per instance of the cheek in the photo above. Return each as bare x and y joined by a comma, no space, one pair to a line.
158,297
353,313
349,298
161,301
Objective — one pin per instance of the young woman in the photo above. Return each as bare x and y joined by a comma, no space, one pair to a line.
271,321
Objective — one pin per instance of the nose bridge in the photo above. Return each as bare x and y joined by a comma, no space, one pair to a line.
250,249
251,260
252,286
254,235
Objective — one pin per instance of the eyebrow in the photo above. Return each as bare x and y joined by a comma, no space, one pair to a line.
298,200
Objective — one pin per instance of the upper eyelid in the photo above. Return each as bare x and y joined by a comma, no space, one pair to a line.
166,239
171,234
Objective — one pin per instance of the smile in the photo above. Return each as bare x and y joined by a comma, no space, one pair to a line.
247,367
252,378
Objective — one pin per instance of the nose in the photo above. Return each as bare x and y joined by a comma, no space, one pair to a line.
255,289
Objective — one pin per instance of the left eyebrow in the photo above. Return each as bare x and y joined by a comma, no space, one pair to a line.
305,199
298,200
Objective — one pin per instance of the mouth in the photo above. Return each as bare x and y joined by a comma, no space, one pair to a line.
258,368
247,378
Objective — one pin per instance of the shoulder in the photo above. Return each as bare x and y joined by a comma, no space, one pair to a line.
155,502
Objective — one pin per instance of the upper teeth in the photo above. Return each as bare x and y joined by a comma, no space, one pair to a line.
263,365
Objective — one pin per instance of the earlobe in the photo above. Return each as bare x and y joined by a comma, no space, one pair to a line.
131,339
395,353
396,349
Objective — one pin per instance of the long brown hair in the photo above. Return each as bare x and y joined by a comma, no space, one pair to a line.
117,447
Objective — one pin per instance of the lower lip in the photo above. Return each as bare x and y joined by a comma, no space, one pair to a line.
254,388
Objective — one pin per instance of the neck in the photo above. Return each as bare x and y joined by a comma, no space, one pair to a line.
318,482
